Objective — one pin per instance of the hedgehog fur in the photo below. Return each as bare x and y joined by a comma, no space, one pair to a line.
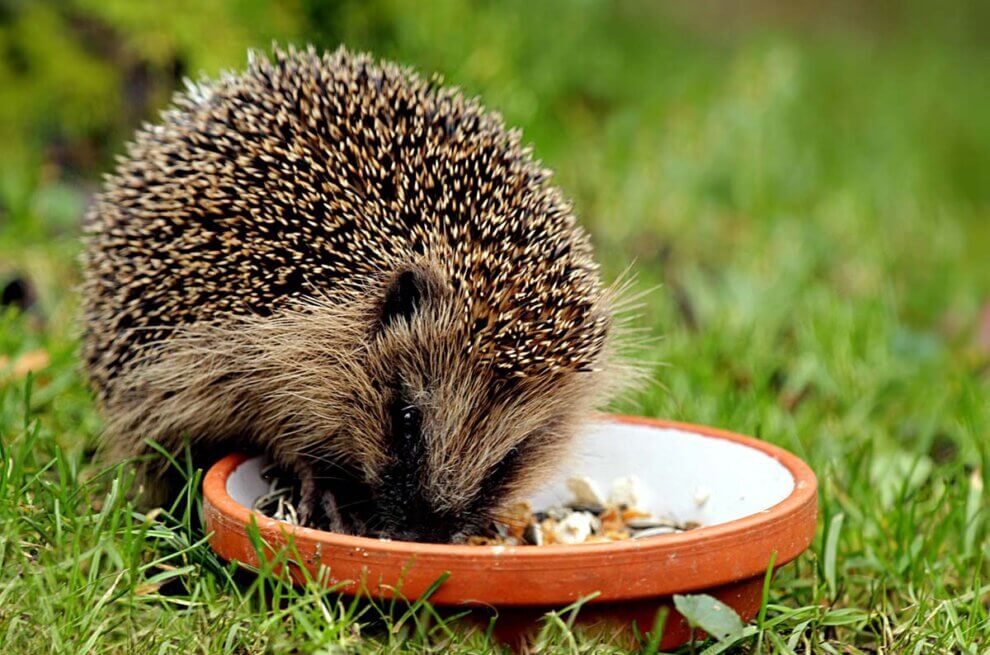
356,270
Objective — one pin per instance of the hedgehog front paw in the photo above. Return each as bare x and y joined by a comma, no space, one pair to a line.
334,519
318,507
309,500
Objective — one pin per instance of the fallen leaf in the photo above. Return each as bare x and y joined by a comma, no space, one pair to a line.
983,330
710,614
30,362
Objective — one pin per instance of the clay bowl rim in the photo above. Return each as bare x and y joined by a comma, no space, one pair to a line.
791,510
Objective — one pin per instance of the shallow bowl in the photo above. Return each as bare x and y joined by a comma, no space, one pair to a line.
752,500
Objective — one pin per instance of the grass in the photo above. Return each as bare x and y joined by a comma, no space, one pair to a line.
812,208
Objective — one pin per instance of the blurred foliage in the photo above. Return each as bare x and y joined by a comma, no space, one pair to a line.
673,126
660,119
76,76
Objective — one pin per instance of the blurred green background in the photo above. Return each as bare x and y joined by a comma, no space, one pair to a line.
680,128
802,190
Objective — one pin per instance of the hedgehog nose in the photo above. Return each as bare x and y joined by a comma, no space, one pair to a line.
407,535
407,515
425,534
424,527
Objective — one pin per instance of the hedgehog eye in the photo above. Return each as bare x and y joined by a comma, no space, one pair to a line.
406,427
402,298
409,421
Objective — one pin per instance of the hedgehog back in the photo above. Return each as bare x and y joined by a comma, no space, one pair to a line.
311,175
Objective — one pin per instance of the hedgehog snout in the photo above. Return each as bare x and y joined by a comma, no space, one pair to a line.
412,519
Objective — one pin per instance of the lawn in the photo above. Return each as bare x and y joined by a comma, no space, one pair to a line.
803,195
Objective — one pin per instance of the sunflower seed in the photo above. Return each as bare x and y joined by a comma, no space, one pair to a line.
655,532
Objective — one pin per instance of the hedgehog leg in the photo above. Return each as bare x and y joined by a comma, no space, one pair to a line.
335,522
318,507
308,498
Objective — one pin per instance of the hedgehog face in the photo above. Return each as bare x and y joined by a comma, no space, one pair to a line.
452,442
462,446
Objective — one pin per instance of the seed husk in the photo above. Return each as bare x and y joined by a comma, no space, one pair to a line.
655,532
647,523
533,535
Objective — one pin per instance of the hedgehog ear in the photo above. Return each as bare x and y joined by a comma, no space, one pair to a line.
403,298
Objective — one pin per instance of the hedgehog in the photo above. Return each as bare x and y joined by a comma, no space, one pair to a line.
356,271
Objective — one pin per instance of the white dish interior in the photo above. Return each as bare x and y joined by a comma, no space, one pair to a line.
686,476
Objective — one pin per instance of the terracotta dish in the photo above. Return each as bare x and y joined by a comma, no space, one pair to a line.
752,499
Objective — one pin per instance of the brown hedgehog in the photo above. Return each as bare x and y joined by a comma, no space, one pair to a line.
356,271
